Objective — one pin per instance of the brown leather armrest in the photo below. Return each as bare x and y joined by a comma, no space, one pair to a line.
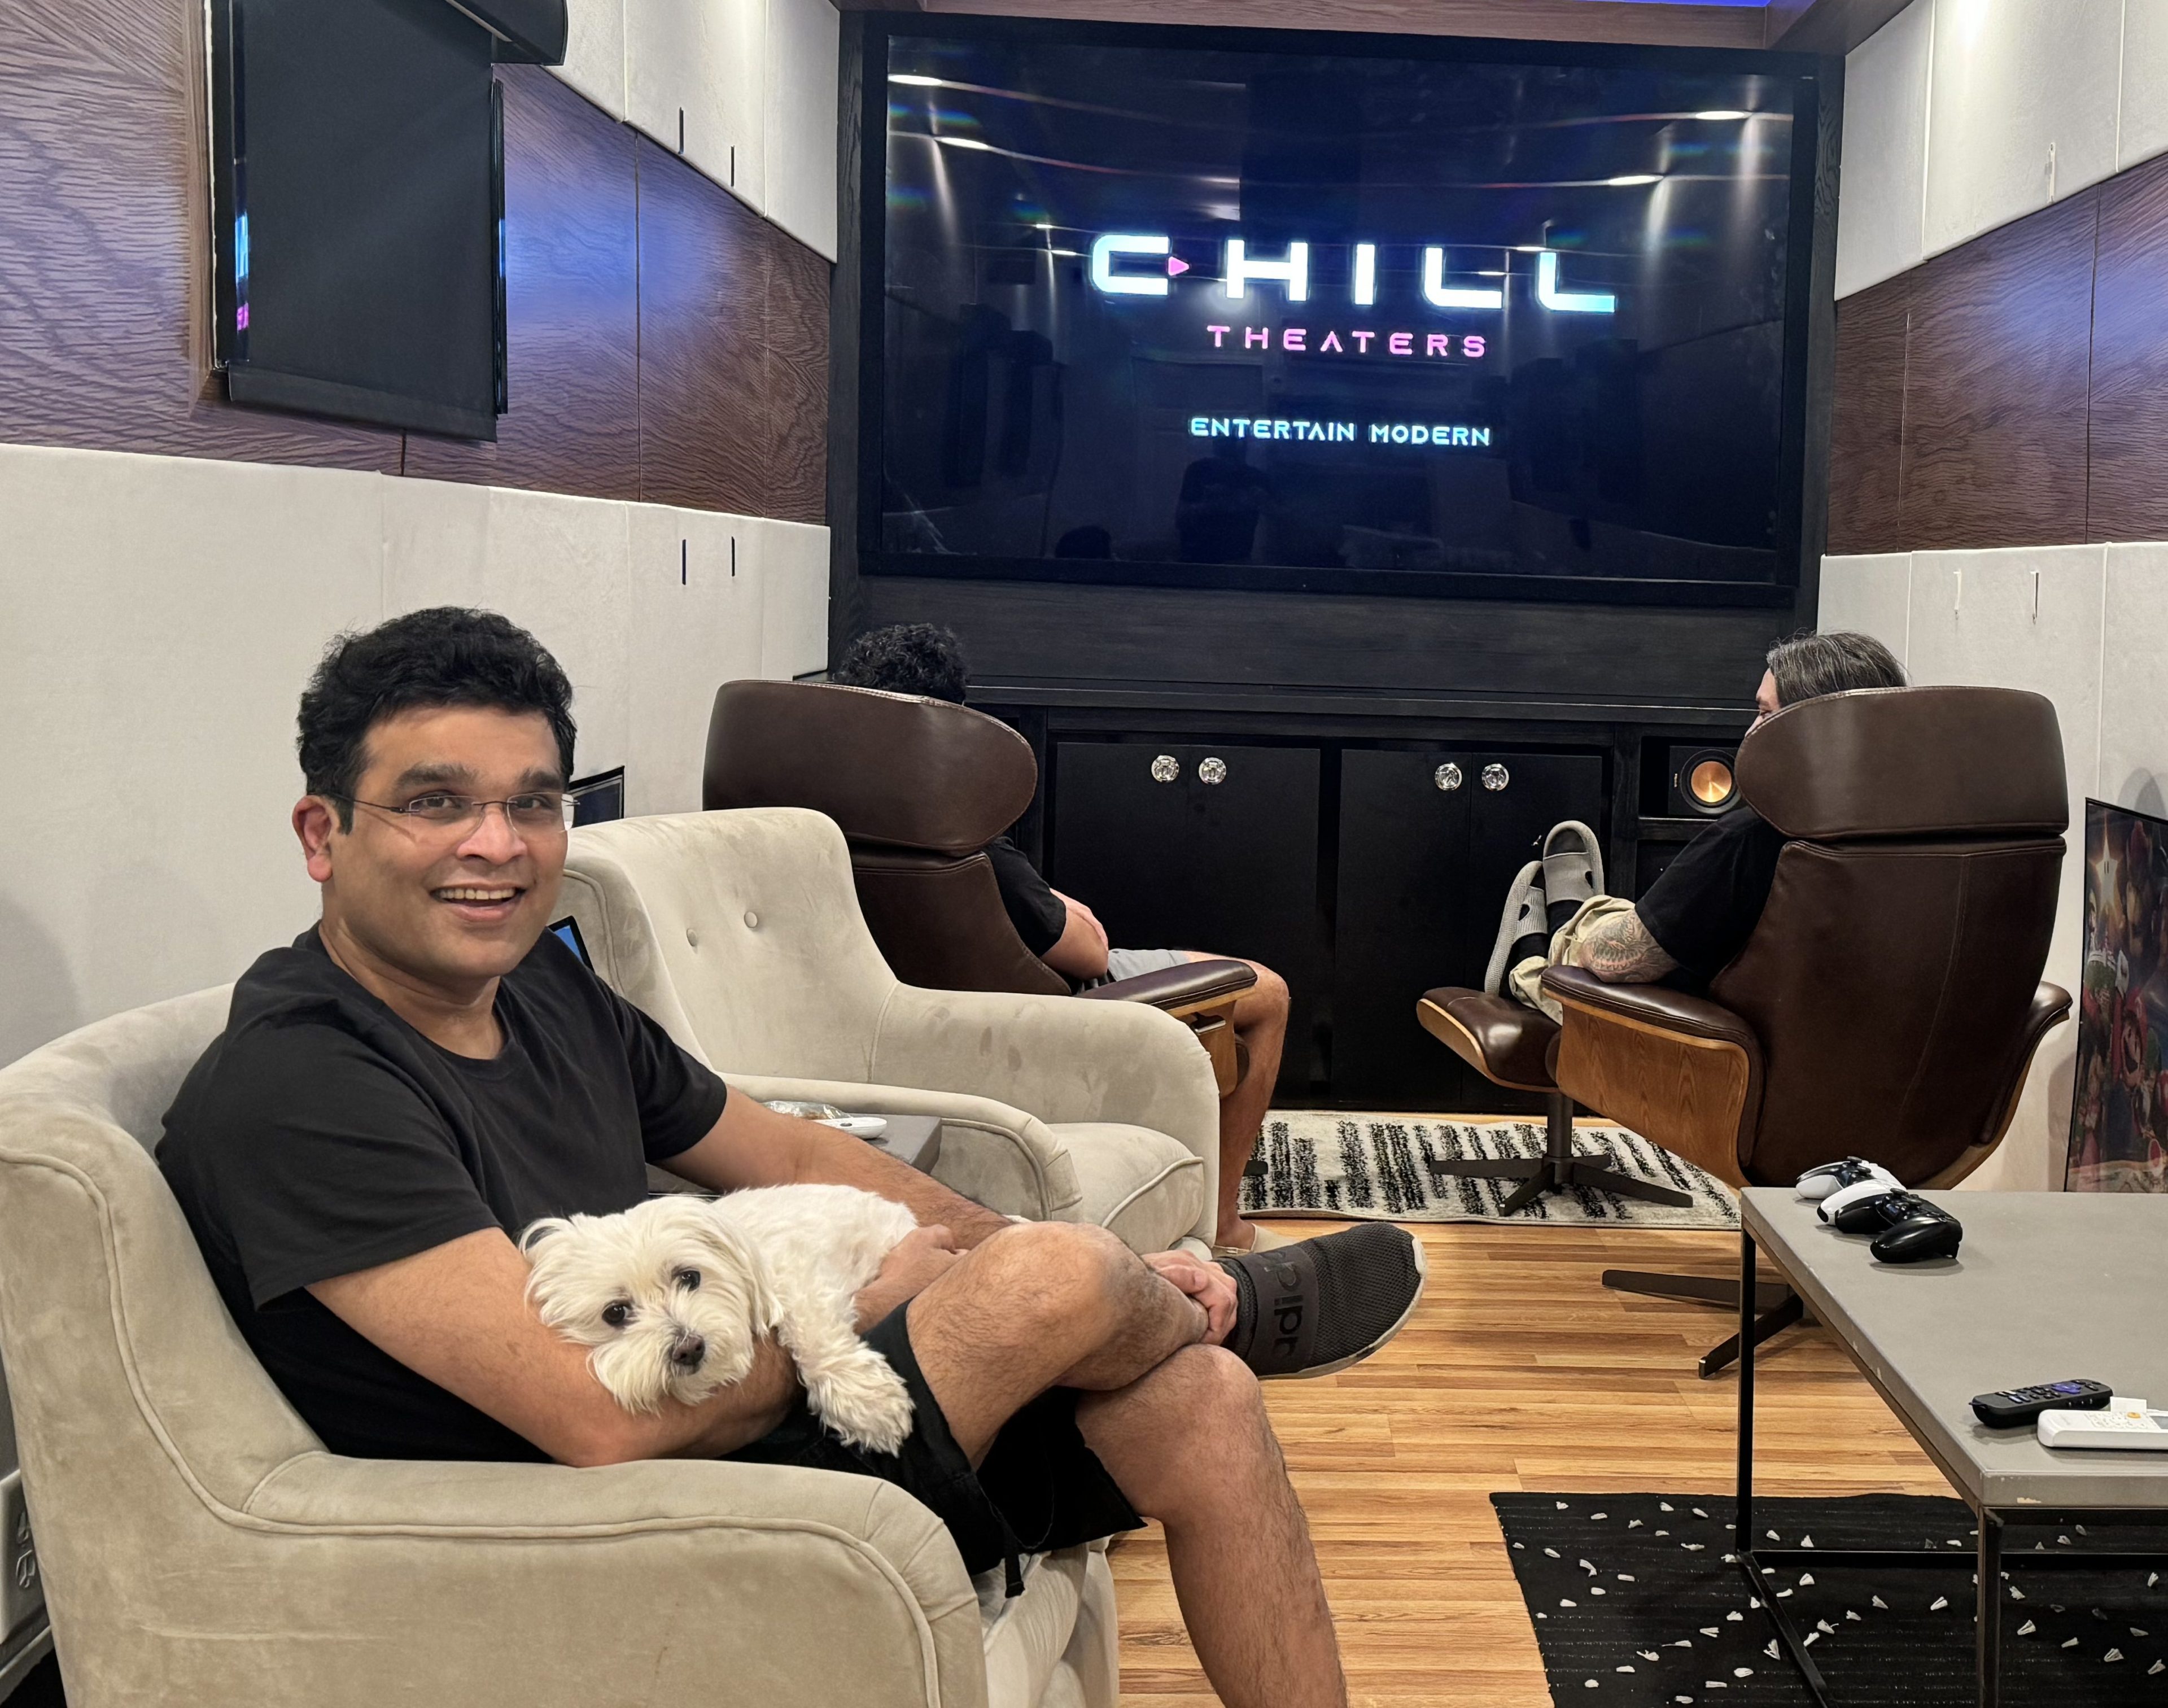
2051,1007
1652,1005
1682,1072
1180,986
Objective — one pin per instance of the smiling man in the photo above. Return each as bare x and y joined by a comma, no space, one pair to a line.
427,1070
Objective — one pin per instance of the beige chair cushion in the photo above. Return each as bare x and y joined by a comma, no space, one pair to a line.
1138,1182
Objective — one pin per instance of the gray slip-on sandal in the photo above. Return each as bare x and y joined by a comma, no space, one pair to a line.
1573,870
1524,918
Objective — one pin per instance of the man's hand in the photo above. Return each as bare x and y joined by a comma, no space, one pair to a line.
1211,1287
926,1254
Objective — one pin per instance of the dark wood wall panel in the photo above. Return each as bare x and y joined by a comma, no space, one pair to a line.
1994,386
666,343
2127,495
2013,391
571,238
1867,418
704,372
104,264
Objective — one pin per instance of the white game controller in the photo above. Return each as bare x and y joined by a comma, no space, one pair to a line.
1838,1202
1834,1177
859,1126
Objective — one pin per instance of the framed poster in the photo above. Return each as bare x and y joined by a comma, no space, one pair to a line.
2120,1112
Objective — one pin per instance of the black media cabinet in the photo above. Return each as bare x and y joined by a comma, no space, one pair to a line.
1359,842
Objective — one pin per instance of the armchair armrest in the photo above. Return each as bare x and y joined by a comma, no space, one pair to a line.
1177,988
1682,1071
1063,1059
993,1154
503,1583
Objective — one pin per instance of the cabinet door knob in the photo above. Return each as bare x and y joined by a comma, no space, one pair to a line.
1495,777
1165,768
1447,777
1212,771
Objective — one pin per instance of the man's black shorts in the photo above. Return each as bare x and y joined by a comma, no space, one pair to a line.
1038,1488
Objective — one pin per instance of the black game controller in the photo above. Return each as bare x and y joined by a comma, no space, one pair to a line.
1907,1228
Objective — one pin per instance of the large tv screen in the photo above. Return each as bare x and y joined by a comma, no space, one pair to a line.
1377,314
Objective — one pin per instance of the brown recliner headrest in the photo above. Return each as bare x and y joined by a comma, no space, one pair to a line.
1909,762
888,768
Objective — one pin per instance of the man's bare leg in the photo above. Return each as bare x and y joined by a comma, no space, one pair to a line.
1190,1445
1181,1427
1260,1020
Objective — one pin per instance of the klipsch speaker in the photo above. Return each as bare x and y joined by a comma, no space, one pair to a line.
1702,784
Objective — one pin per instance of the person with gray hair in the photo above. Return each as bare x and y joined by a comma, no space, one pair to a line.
1703,907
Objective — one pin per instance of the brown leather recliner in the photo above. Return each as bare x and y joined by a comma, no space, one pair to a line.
919,788
1889,1002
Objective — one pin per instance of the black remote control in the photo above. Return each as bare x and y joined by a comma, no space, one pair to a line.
2015,1405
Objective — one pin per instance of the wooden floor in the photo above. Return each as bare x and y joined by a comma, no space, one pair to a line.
1517,1371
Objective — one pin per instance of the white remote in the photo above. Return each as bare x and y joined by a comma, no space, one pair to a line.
2125,1426
859,1126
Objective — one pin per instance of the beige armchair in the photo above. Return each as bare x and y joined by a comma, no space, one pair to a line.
199,1545
741,933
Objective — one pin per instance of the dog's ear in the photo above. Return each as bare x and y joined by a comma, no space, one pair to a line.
732,1252
536,1232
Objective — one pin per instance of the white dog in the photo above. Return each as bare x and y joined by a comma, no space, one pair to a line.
673,1295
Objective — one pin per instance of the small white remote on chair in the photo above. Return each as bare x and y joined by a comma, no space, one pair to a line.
859,1126
2125,1425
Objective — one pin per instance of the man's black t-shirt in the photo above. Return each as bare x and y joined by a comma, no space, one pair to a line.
320,1134
1704,906
1033,908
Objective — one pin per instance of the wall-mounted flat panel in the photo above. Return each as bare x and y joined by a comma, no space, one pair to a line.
695,622
594,53
560,567
160,617
1868,596
1885,149
2023,618
705,415
2127,497
800,164
794,571
2021,109
2134,725
573,303
1995,374
2142,122
1867,418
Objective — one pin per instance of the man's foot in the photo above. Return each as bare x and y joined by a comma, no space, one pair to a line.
1522,930
1260,1238
1318,1306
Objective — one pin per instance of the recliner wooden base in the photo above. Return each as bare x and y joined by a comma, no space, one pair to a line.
1557,1169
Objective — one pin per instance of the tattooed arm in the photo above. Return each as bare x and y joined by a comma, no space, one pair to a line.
1619,951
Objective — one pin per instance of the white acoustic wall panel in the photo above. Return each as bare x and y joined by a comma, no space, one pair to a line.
594,52
674,54
801,156
2021,109
741,164
794,594
158,618
1868,596
2133,724
560,567
1885,147
2141,129
695,624
2027,618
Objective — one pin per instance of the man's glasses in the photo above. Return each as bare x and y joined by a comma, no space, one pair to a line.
544,811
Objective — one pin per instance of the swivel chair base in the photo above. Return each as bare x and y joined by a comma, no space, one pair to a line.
1776,1308
1557,1169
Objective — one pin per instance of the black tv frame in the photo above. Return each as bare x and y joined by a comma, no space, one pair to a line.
858,326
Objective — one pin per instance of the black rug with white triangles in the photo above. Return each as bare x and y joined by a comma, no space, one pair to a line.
1635,1605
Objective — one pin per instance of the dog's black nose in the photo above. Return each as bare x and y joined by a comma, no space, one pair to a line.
688,1350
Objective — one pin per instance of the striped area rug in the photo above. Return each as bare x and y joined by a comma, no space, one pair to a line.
1378,1167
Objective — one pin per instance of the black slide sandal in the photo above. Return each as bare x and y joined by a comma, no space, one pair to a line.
1320,1305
